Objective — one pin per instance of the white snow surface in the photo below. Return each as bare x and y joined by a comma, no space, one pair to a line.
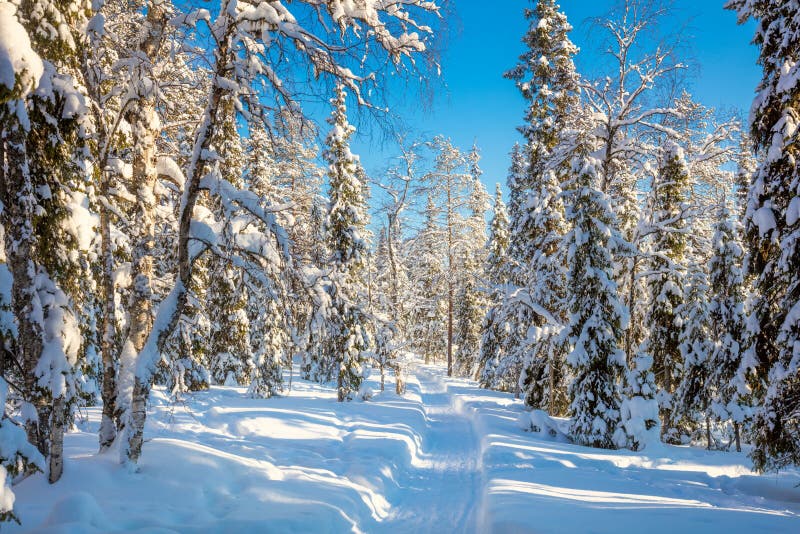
446,457
17,58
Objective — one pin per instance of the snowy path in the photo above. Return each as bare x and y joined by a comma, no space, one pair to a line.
445,457
449,482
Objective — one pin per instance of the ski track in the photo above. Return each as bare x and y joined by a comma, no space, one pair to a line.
451,446
445,457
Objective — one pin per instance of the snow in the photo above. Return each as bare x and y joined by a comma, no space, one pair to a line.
764,218
793,212
17,58
82,222
6,495
446,457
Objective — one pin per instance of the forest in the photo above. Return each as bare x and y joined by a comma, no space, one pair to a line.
186,229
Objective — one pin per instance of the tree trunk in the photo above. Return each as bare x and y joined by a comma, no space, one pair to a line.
738,436
172,306
551,402
108,430
138,413
708,433
16,191
144,129
450,274
399,382
57,440
449,329
340,387
629,334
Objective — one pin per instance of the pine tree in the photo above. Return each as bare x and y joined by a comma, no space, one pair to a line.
547,78
451,186
772,225
346,240
597,317
692,399
727,325
497,266
428,275
666,274
471,305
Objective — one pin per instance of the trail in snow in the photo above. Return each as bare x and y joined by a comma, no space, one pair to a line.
448,485
446,457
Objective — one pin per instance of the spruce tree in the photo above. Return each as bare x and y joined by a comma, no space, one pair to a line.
597,317
666,275
640,417
229,349
543,380
727,325
43,127
772,226
346,224
493,328
547,79
692,399
514,316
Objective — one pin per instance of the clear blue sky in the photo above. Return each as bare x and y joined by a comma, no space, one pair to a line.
479,105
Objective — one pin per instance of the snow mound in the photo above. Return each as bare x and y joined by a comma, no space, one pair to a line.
79,510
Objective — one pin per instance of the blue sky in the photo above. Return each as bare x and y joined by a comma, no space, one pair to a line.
477,104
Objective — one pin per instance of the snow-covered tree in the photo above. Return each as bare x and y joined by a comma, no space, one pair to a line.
269,339
471,305
727,325
692,398
772,226
398,187
547,79
497,266
348,322
542,379
428,276
43,129
451,184
639,408
597,318
229,350
516,316
666,273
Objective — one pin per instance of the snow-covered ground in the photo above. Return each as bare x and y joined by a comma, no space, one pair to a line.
446,457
